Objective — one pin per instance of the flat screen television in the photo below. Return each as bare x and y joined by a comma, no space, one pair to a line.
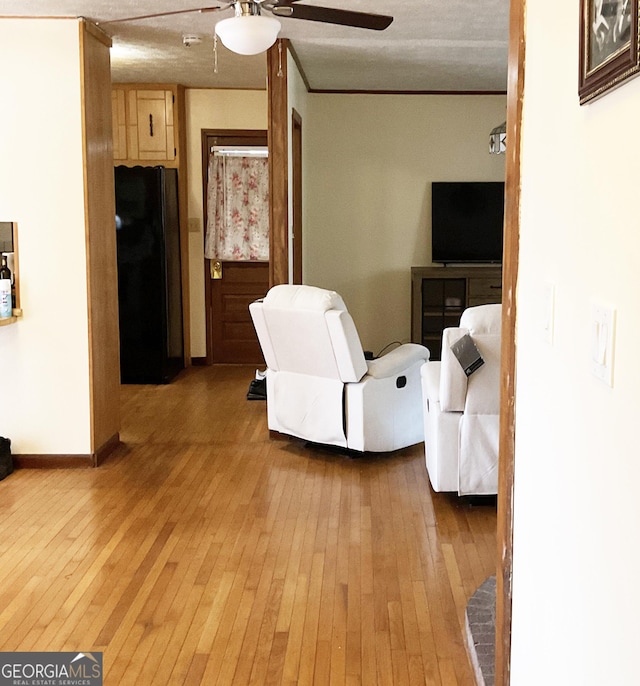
467,221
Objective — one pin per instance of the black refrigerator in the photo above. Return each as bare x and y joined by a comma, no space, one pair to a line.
149,274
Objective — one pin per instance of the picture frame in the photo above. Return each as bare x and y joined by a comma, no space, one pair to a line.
608,46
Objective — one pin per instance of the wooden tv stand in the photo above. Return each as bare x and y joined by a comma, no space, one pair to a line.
439,295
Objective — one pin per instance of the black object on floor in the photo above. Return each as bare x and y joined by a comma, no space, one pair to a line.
6,461
257,390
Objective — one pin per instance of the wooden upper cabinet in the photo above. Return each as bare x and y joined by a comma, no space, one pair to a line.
144,125
119,119
151,125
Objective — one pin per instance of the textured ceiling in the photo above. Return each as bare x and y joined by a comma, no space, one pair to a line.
431,45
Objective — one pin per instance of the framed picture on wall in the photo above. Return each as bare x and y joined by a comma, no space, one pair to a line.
608,46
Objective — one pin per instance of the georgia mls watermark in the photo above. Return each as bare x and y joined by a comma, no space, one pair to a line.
50,669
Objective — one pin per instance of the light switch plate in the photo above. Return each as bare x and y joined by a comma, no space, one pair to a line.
603,321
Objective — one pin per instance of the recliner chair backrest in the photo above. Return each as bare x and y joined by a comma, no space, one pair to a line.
482,319
483,323
307,330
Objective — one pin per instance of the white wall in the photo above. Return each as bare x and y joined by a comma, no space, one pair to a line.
576,506
211,109
44,366
369,164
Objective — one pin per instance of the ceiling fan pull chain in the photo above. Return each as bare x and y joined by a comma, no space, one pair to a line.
215,52
280,74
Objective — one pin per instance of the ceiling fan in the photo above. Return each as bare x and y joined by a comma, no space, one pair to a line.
250,32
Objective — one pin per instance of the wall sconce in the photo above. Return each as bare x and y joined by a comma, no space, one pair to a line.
498,139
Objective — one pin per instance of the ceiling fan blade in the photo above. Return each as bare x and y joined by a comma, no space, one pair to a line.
164,14
328,15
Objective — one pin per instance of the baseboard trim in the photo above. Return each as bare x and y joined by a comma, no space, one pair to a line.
106,449
53,461
198,361
68,461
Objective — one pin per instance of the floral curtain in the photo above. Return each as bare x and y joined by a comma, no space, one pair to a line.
237,208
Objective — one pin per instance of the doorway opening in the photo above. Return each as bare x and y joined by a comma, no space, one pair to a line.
232,284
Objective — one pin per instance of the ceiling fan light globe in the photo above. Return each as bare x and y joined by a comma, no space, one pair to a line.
248,35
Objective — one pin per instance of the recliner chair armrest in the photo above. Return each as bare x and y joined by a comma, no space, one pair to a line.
397,361
430,373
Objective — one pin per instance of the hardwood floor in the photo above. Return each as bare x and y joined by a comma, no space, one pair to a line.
202,552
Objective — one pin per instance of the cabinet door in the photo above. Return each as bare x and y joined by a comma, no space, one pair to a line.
151,131
484,291
442,304
119,123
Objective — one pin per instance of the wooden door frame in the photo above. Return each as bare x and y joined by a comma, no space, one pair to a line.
515,93
296,180
278,128
211,137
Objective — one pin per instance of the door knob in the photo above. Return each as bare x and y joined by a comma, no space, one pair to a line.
215,267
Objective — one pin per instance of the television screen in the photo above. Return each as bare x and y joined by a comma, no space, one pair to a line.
467,221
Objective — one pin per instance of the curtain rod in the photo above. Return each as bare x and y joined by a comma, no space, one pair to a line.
240,151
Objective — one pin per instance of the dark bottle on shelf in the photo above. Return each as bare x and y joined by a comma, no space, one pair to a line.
5,289
5,272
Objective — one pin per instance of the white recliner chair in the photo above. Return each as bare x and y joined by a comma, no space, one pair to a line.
461,413
320,387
